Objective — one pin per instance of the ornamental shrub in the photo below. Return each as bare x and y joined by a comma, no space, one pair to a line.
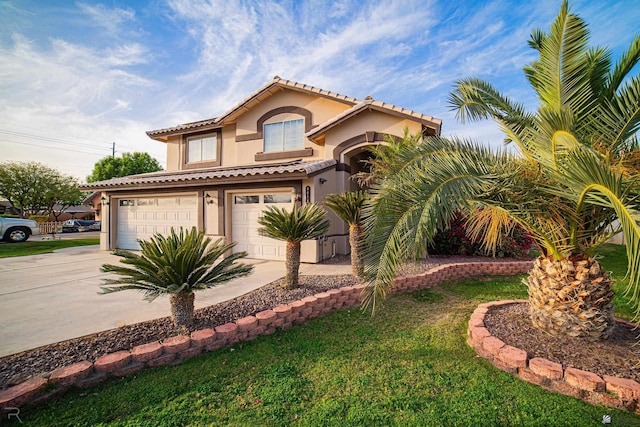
454,240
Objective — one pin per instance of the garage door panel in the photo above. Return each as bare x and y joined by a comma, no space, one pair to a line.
282,252
270,250
245,212
153,217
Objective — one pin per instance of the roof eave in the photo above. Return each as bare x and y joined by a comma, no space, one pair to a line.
162,180
163,135
207,181
316,133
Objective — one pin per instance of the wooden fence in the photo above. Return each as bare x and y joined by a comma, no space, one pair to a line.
51,227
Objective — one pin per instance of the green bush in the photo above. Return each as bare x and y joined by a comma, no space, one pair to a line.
39,218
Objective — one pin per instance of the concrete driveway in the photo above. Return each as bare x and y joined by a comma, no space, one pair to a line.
53,297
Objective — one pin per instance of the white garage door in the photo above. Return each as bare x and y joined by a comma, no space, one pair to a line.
142,218
246,210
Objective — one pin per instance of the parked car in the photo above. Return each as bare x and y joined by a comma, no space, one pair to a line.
75,225
16,230
96,226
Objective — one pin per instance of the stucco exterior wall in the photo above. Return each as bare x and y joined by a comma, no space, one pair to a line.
211,217
369,121
336,237
174,153
322,108
229,152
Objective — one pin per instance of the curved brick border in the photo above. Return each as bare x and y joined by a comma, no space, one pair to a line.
620,393
175,349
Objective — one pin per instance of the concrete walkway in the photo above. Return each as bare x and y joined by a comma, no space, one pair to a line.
53,297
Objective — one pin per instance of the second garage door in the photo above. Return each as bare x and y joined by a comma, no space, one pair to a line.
246,210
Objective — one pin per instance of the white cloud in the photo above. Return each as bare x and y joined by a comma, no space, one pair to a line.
112,20
108,74
67,101
247,43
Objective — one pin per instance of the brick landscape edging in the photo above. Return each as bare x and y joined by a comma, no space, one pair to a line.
620,393
175,349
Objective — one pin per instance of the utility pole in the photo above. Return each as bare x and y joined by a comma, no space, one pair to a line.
113,150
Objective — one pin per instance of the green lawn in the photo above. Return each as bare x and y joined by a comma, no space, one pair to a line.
42,247
408,365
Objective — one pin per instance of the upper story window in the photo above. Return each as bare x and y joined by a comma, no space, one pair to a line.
283,136
202,148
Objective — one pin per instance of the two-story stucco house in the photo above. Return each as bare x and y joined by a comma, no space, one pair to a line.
286,143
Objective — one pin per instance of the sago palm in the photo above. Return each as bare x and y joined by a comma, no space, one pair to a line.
293,227
570,186
348,207
178,265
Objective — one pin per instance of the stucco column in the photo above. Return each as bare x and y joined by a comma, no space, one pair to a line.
105,218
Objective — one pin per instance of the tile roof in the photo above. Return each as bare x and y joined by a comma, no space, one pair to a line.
372,104
279,82
296,166
256,96
356,107
202,124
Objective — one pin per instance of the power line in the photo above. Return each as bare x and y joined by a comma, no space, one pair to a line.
162,162
55,148
57,140
45,138
21,127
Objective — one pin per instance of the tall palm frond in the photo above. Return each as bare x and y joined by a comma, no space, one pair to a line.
575,185
624,66
408,207
385,158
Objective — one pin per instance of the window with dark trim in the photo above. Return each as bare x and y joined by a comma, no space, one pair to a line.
202,148
284,136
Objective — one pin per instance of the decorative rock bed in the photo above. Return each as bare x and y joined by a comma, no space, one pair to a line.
603,390
175,349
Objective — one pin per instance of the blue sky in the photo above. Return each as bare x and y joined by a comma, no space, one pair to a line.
76,76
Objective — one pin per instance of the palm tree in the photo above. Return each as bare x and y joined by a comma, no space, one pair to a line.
293,227
384,158
571,186
348,207
178,264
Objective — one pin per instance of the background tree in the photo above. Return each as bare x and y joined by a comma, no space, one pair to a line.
568,187
176,265
128,164
66,194
293,227
348,207
34,188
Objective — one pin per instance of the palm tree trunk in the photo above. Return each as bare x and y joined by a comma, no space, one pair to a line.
293,265
355,239
182,309
571,298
